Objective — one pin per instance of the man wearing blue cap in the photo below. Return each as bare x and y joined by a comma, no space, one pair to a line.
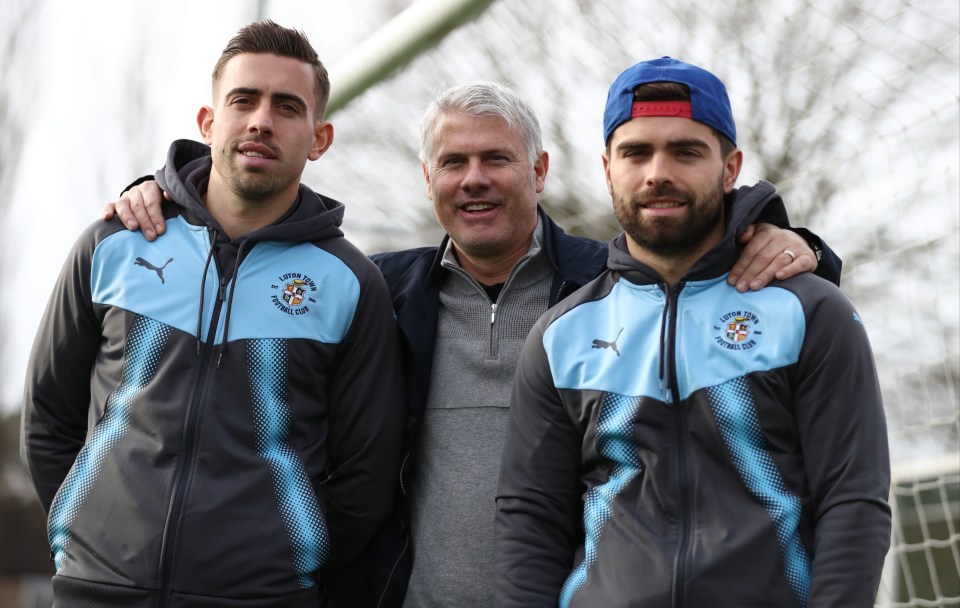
675,442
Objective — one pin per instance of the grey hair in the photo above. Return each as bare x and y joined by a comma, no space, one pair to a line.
482,98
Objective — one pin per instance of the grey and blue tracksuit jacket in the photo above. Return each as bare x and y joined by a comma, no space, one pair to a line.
211,421
688,445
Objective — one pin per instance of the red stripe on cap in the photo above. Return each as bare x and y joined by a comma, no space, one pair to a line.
661,108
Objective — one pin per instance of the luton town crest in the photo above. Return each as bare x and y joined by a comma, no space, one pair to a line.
294,292
737,330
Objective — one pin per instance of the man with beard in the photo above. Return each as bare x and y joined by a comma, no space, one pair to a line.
215,418
673,441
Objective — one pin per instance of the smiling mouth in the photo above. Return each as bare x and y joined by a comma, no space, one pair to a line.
256,149
473,207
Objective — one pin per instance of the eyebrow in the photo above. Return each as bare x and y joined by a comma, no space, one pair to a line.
442,154
258,92
673,144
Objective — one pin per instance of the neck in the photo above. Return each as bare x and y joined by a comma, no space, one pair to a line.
491,269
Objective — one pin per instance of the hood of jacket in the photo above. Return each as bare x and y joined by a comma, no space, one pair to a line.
742,207
186,174
311,218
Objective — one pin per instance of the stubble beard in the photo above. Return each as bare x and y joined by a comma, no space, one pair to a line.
670,236
249,183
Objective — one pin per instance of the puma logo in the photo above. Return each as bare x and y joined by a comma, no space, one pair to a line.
598,343
159,271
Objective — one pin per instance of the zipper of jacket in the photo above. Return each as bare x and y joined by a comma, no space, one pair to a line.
683,457
406,534
492,342
386,586
555,298
185,464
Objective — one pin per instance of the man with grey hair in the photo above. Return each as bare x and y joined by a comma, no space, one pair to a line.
465,308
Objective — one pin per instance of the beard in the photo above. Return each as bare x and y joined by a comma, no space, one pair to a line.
254,186
251,183
670,236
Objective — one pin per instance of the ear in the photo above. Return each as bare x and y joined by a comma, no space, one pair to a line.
322,139
731,170
540,167
205,122
426,177
606,172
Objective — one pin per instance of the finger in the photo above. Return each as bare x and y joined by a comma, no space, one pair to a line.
805,262
785,264
779,262
124,207
756,256
761,267
109,211
142,215
152,206
130,209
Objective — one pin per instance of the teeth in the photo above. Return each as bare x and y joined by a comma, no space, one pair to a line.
478,207
662,205
254,154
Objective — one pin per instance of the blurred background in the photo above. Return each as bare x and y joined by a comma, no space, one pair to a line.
851,107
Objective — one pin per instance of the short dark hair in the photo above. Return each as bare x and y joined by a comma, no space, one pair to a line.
675,91
268,37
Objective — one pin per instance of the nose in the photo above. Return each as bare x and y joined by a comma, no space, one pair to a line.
475,178
261,120
659,169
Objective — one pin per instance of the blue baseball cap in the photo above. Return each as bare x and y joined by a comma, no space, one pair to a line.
709,103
